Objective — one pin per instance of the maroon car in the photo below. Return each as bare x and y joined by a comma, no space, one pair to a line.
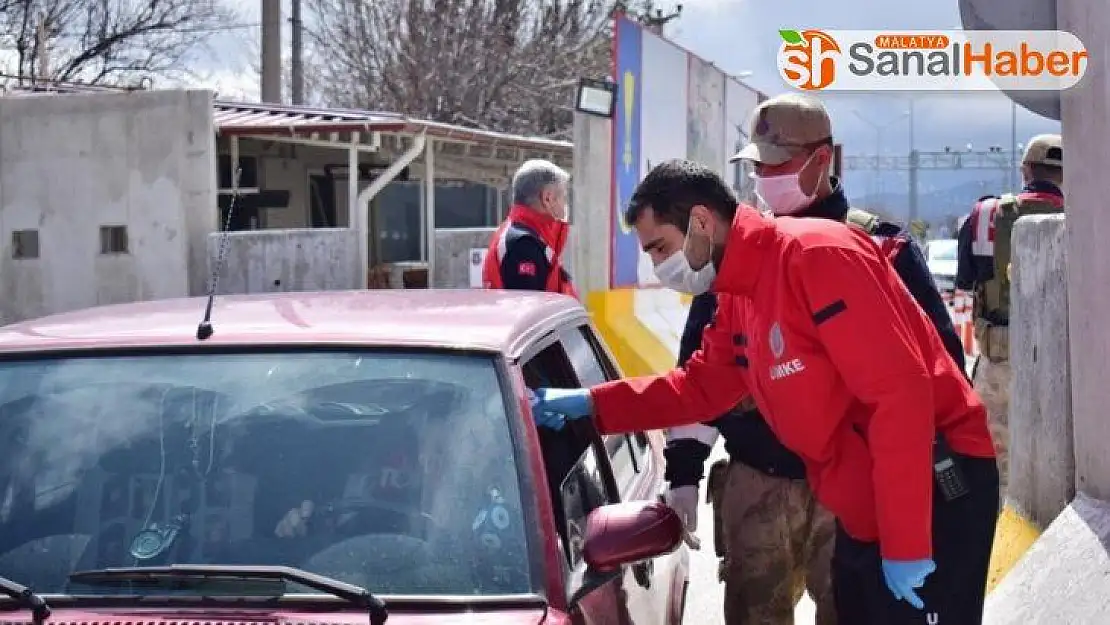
330,458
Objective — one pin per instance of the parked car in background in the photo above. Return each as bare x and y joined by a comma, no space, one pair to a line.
343,453
941,257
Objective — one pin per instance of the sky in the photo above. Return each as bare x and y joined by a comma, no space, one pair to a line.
741,36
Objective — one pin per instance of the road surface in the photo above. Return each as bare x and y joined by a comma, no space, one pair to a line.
703,604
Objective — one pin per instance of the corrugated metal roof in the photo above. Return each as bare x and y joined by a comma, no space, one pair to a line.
240,118
255,119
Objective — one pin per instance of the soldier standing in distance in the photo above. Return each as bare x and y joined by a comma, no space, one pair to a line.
983,268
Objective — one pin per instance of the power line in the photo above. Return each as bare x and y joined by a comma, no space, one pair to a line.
943,160
993,159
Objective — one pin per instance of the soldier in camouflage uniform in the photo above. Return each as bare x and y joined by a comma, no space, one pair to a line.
983,268
775,542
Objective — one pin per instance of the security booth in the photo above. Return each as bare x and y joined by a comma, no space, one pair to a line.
394,180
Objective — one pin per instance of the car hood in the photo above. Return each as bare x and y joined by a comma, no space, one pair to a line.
220,616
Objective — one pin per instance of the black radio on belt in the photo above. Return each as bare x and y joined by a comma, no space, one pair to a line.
950,479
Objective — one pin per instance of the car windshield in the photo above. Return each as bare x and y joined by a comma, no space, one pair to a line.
394,471
944,250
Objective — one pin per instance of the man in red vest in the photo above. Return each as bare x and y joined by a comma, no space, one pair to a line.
525,251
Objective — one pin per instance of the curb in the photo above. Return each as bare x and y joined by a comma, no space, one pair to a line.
1013,536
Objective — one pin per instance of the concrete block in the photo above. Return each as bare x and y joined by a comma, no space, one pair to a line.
1065,577
268,261
1042,454
452,270
592,218
1086,124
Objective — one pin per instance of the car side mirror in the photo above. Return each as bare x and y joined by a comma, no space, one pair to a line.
629,532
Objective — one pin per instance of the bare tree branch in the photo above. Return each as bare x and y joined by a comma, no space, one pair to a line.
106,41
505,65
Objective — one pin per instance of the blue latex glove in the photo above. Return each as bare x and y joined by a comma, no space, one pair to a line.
552,407
903,577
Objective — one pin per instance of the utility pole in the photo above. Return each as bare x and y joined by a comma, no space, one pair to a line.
1011,179
298,52
914,165
271,51
42,72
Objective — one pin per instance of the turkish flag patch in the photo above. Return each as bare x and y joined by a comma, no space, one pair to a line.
526,268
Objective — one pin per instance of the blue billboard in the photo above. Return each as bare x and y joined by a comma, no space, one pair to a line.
625,247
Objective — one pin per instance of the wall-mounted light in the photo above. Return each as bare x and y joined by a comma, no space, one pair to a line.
596,97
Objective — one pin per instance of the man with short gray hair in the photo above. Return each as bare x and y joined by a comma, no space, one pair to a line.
525,251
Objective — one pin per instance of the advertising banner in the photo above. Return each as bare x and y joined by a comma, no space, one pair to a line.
625,251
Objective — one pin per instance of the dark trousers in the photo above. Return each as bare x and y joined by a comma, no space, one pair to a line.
963,535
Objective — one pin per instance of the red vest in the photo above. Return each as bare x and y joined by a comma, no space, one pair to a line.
523,221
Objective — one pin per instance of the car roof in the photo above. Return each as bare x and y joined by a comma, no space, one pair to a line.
477,319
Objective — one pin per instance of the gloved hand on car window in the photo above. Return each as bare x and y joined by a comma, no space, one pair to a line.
903,577
552,407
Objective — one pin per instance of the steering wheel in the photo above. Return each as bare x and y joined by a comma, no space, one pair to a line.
331,515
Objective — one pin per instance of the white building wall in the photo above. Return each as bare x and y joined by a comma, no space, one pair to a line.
70,164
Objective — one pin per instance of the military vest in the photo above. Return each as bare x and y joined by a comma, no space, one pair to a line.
886,235
992,223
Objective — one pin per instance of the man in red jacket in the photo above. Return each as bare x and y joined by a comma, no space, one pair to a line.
525,251
816,326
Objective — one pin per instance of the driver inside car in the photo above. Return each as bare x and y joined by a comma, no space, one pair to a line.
390,483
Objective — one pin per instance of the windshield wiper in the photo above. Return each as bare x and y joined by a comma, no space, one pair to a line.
356,595
27,599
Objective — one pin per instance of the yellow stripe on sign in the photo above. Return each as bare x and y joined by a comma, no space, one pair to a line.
637,349
1013,536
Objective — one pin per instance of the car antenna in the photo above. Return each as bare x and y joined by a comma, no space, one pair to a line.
204,329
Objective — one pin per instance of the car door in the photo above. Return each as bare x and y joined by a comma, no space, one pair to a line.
653,589
580,480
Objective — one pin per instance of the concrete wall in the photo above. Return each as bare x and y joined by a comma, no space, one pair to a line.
587,253
1042,460
1042,456
264,261
70,164
1086,129
452,270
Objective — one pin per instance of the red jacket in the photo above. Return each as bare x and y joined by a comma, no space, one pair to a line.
524,254
849,372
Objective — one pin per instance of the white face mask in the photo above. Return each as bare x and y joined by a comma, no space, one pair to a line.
783,194
676,273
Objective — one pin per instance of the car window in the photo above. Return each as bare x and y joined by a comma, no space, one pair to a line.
570,454
582,491
626,451
582,357
943,250
393,470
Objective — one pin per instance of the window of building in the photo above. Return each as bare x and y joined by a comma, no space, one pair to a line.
461,204
25,244
113,240
395,215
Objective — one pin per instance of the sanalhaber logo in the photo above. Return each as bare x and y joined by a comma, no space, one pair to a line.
807,59
864,60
